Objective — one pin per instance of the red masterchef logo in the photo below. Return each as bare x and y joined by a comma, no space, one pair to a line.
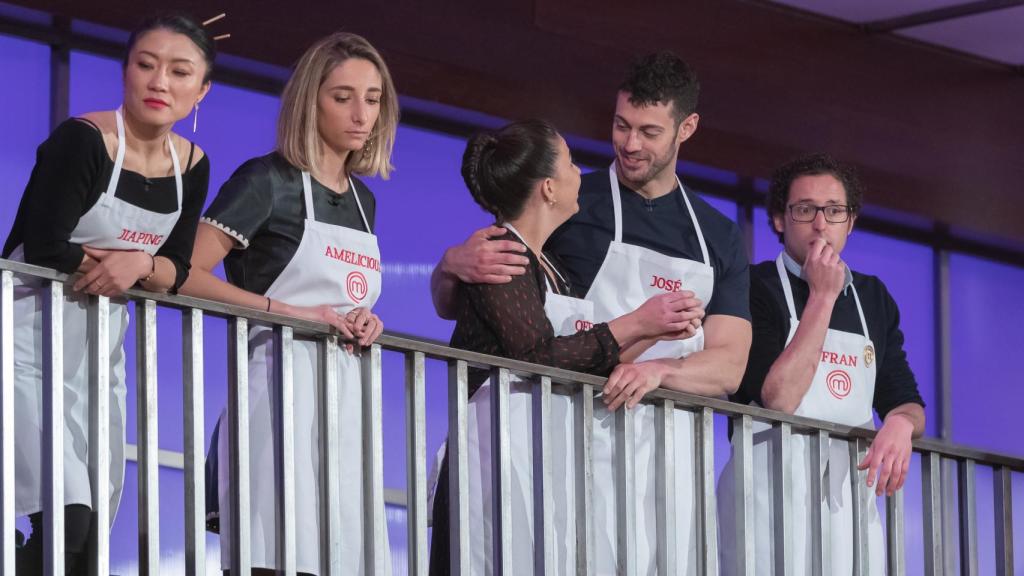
356,286
839,383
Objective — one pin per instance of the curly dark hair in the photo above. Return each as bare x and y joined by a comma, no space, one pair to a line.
663,78
814,164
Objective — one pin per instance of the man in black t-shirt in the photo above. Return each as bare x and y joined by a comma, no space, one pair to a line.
827,344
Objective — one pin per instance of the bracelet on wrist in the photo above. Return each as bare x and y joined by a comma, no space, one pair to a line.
152,268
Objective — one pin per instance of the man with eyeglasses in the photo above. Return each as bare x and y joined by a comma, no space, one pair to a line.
826,344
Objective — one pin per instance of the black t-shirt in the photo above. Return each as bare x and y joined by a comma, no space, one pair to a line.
262,207
663,225
72,171
894,381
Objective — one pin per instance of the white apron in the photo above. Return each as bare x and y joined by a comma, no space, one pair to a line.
841,391
332,265
629,276
111,224
567,315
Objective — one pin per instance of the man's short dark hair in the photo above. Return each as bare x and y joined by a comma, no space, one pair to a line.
814,164
663,78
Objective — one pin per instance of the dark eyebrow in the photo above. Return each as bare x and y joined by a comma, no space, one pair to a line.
176,60
343,87
643,127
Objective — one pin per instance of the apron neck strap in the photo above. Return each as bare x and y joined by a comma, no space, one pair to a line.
513,230
115,175
307,193
787,289
617,208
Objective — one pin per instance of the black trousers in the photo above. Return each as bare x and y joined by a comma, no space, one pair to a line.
77,524
440,546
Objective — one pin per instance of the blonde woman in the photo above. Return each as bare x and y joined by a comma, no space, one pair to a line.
294,229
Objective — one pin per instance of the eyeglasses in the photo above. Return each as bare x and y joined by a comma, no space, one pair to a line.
834,213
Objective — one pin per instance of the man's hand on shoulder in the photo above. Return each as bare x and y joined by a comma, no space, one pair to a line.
480,260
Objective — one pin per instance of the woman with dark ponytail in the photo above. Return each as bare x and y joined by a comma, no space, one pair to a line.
523,174
115,196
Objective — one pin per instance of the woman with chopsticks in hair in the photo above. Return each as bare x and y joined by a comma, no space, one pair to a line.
114,196
294,229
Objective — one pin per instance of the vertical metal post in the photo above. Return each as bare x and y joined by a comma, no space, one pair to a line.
283,373
743,445
708,531
374,523
860,498
583,430
416,462
501,472
238,440
148,443
665,482
968,519
820,493
98,320
894,534
458,465
543,505
53,430
1002,505
330,467
782,468
6,422
195,479
931,494
625,473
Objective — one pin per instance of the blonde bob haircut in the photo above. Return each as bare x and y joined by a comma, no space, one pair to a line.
298,138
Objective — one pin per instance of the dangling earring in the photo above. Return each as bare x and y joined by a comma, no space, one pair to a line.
195,118
368,148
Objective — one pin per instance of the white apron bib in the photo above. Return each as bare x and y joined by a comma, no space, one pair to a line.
332,265
841,391
629,276
110,224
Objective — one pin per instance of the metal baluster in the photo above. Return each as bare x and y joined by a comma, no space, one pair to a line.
860,497
416,462
283,358
330,467
583,430
501,472
708,530
99,430
782,468
931,494
458,464
543,501
53,430
238,439
821,518
968,519
195,479
1002,492
894,534
743,446
625,500
148,443
374,522
6,422
665,482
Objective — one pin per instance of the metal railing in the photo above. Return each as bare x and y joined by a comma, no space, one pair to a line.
416,352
